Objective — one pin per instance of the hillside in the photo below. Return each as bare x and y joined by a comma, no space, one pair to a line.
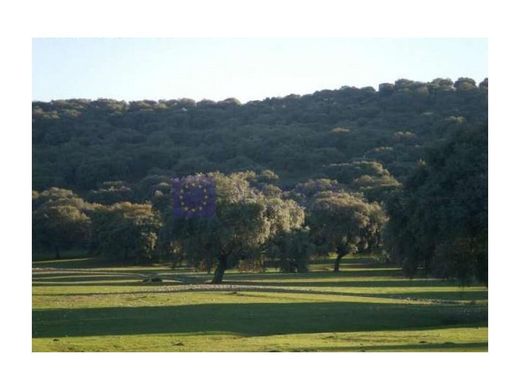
79,144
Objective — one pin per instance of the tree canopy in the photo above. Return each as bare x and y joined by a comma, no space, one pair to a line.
438,222
345,223
245,220
126,230
83,144
60,220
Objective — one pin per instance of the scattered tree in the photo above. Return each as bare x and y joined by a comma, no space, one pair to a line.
345,223
60,221
126,230
244,222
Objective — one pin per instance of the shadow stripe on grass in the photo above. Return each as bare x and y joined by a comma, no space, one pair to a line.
252,319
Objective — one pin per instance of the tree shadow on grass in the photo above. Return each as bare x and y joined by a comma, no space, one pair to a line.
348,273
110,279
75,279
449,296
346,283
426,347
397,282
315,279
73,275
252,319
460,295
71,263
124,283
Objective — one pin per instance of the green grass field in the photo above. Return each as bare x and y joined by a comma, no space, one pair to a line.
83,305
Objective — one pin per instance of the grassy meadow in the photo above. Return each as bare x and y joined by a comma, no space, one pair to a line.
86,305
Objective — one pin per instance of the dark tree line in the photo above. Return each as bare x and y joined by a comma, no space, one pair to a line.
438,222
81,144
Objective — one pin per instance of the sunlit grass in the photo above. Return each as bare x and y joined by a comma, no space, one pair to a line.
80,306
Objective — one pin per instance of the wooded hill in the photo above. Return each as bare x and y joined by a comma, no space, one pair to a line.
345,134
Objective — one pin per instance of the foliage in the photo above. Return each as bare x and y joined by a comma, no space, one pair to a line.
244,222
80,144
305,192
367,177
60,220
126,230
111,192
292,248
345,223
438,222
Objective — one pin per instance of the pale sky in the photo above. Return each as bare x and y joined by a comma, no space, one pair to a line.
244,68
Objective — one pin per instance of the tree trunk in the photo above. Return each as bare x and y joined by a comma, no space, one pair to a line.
219,271
57,250
336,263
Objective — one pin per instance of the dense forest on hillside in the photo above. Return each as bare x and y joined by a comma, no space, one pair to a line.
80,144
343,171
